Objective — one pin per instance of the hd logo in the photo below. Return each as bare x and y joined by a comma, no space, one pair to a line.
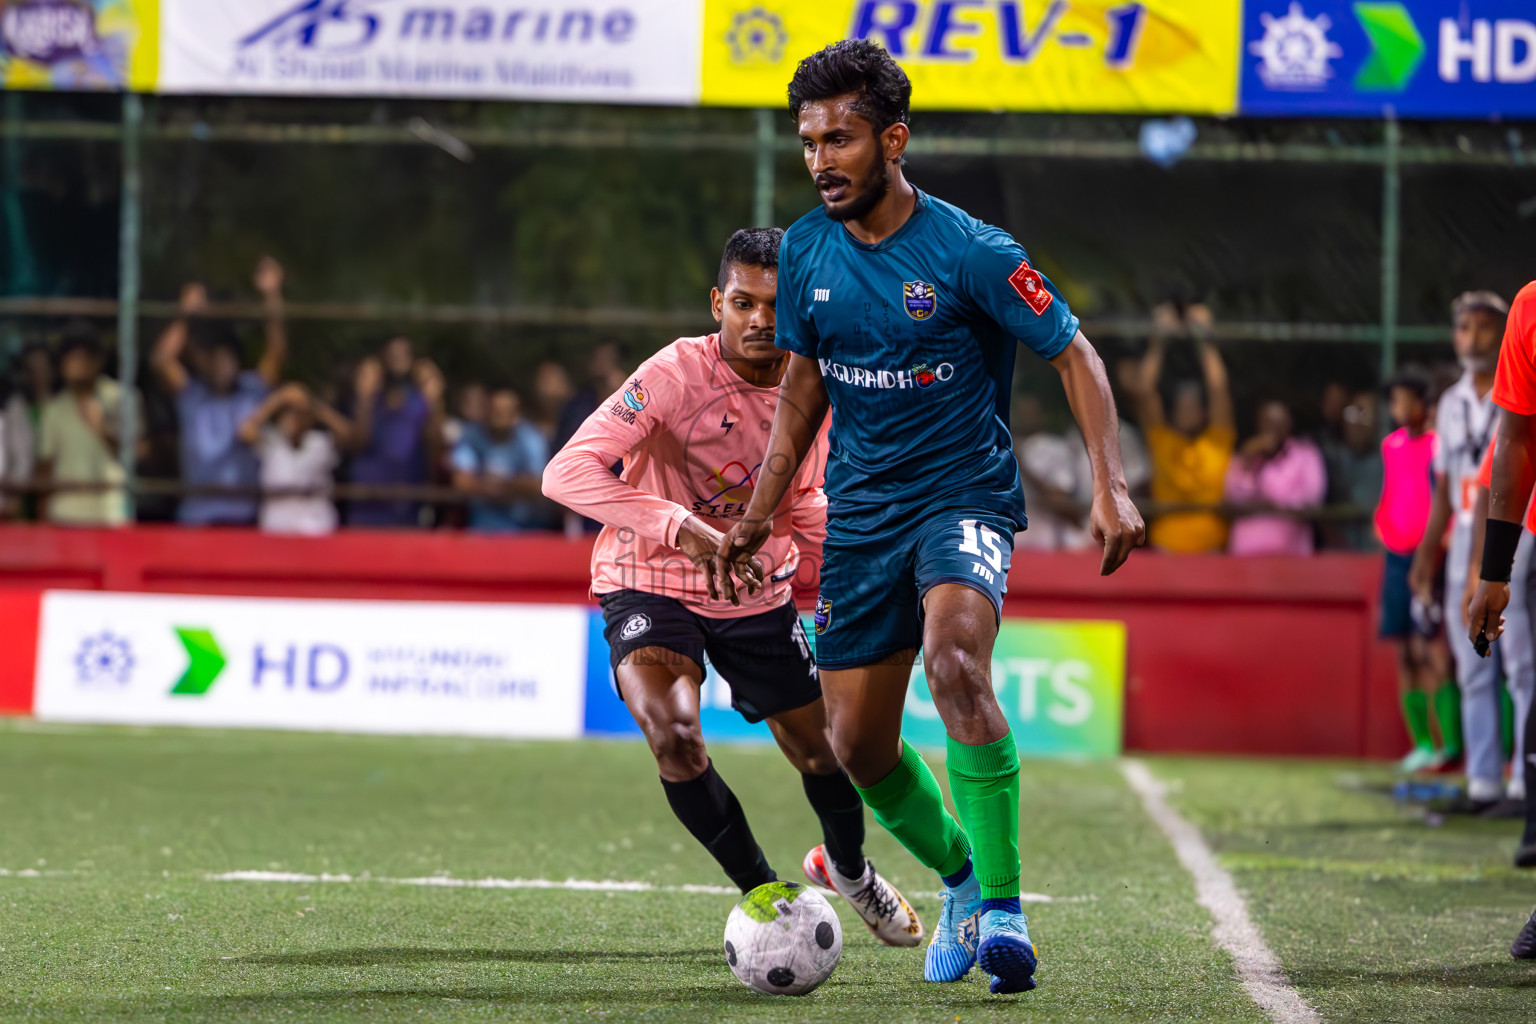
1429,58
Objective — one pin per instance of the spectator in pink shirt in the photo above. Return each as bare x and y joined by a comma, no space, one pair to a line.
1275,471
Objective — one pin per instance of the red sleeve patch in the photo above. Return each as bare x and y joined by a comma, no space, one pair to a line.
1026,280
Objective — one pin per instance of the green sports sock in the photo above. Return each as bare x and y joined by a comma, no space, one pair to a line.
984,781
907,804
1507,722
1416,717
1448,711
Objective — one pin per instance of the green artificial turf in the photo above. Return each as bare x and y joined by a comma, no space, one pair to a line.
121,922
1376,914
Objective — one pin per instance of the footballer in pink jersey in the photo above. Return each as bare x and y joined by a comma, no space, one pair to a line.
691,426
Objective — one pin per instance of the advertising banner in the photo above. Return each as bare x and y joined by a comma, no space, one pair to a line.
1423,58
350,666
1062,55
78,44
611,51
1061,685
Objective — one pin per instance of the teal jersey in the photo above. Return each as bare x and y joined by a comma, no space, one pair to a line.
915,338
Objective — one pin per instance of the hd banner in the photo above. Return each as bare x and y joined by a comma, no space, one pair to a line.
344,666
1421,59
1049,55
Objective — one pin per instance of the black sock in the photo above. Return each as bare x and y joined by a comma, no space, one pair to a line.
841,811
710,811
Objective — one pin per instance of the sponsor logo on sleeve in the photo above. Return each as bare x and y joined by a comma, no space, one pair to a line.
920,298
632,400
1026,280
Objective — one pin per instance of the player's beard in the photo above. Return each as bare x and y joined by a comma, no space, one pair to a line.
875,186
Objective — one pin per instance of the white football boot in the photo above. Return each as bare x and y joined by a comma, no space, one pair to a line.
884,911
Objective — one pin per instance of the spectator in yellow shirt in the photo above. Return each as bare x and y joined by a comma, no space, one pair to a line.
1190,447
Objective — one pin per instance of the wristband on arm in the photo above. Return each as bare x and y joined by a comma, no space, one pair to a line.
1499,542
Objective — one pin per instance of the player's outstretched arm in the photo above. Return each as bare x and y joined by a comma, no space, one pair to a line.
1113,520
579,477
803,404
1513,478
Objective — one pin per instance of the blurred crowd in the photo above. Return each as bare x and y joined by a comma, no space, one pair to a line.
1211,482
251,447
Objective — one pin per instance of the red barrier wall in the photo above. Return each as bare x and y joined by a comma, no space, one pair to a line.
1266,655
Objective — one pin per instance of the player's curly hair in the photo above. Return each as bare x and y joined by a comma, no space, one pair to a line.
856,66
750,247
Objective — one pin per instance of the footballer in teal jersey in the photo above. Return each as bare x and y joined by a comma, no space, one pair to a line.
902,315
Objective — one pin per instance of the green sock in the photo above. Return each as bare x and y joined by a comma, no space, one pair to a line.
1416,717
1448,711
984,781
1507,722
908,804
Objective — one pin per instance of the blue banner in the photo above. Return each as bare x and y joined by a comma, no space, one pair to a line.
1060,683
1472,59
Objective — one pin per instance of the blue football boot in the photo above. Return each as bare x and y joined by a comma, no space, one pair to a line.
952,950
1005,951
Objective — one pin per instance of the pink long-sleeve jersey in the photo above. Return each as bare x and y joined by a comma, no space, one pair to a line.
692,435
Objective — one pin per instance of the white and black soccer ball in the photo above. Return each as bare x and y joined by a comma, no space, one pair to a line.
783,939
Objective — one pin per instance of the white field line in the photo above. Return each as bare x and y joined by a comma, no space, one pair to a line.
1257,966
444,882
572,884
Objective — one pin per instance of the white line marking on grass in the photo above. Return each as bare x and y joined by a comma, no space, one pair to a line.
1257,966
573,884
445,882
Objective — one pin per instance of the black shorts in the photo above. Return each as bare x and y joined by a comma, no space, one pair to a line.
764,658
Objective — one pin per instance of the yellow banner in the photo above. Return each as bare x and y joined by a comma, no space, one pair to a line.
80,44
1049,55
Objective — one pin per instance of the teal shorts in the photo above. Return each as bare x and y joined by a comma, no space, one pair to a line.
872,586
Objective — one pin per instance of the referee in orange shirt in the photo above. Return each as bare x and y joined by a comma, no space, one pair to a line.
1514,473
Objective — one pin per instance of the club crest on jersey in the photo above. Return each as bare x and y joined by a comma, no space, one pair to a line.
823,615
921,299
635,625
1026,280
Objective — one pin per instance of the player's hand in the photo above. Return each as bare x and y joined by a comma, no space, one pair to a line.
1485,614
1115,523
701,543
734,557
1467,593
1421,578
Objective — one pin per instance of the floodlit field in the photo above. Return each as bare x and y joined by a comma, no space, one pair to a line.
109,911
